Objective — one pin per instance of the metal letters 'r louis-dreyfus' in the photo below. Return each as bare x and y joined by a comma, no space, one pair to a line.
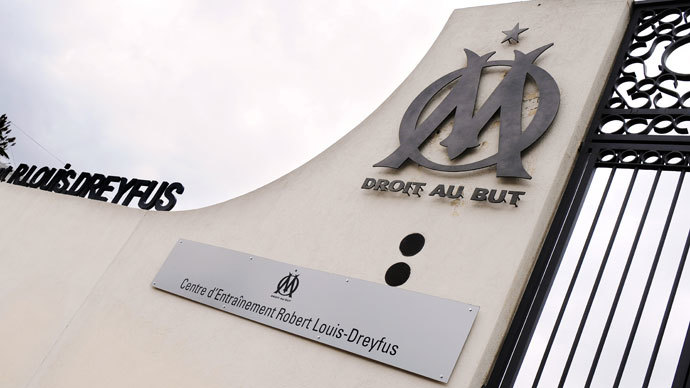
506,100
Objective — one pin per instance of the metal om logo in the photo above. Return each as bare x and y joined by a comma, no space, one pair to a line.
287,285
506,100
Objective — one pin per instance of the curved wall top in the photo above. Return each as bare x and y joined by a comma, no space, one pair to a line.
76,301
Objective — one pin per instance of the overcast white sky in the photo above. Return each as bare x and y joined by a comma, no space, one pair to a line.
222,96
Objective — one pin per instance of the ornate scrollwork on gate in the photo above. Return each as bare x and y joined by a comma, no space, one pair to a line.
647,79
651,92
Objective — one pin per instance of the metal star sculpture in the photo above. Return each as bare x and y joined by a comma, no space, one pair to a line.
512,35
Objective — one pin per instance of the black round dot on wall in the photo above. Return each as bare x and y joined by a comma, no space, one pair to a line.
397,274
411,244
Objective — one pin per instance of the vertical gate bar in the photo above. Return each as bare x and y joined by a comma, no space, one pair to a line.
649,281
600,274
512,353
621,283
510,359
552,337
667,313
683,369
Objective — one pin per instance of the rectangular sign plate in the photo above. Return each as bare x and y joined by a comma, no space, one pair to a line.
419,333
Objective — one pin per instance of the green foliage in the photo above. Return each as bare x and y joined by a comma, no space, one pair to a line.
5,140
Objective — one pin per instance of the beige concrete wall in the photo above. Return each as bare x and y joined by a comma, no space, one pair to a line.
76,303
54,250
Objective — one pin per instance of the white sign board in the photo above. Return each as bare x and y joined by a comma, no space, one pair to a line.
419,333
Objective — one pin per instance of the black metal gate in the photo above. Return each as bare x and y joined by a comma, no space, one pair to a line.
608,301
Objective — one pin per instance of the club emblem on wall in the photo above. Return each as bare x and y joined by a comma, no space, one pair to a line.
287,285
505,100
